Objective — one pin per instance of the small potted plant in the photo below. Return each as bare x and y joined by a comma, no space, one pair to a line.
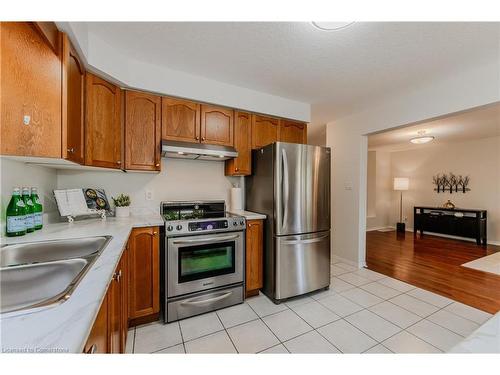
122,205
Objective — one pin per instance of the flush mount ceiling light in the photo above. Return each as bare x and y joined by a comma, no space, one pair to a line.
331,26
422,138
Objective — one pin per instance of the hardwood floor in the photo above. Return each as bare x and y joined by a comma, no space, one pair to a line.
434,263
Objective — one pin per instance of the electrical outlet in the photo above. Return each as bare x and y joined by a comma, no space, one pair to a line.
149,195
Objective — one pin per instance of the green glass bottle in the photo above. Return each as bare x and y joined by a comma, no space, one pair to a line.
30,215
37,208
16,215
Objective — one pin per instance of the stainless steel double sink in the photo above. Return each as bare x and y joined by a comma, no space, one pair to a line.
38,274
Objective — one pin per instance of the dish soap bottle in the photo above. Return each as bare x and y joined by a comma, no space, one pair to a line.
16,215
37,208
30,215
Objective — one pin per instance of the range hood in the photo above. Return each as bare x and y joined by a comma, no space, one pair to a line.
200,151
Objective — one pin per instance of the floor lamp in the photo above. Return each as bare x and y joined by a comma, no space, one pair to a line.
401,184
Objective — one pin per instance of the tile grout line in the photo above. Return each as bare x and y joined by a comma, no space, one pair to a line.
227,333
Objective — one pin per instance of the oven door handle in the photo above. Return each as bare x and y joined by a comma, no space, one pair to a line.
198,302
206,240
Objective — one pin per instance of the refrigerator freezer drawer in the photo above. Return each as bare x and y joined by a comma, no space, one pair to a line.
302,264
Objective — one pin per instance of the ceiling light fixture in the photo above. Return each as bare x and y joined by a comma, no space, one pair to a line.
331,26
422,138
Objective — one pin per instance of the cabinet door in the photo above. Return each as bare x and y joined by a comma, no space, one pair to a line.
73,104
264,131
254,256
124,281
217,125
293,132
180,120
242,165
97,341
103,130
144,268
142,131
30,83
115,308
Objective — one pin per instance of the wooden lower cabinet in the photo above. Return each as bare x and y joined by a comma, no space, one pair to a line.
97,342
144,268
254,257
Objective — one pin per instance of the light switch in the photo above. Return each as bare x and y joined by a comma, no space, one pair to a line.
149,195
347,186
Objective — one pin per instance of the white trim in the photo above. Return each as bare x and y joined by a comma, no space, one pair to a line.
379,228
350,262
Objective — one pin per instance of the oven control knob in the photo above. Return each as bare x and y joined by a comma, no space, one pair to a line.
179,227
170,228
235,223
242,222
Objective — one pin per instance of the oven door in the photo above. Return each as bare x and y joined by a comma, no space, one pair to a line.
202,262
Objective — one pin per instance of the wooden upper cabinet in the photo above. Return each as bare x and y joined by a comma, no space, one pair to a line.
180,120
30,83
242,165
293,132
142,131
217,125
144,272
103,129
264,131
73,99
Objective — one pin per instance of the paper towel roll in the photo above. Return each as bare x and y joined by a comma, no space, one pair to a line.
236,199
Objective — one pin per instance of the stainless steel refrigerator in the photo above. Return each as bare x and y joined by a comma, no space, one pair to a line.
290,184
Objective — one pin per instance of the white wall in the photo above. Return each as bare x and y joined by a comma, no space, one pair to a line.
179,180
15,173
379,190
114,63
347,138
479,159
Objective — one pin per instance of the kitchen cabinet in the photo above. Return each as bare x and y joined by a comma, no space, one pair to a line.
180,120
103,125
254,257
264,131
144,275
30,122
73,99
242,165
97,342
142,131
217,125
292,132
109,332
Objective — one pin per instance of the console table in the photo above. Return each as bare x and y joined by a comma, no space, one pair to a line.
451,221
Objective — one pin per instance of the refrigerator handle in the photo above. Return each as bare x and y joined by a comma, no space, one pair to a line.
284,188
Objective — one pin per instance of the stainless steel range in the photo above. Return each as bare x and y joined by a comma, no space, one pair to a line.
203,258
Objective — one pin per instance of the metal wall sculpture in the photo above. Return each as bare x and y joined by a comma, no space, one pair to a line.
451,183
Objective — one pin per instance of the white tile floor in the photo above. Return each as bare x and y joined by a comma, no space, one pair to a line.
362,312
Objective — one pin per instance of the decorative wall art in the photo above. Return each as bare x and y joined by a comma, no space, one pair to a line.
451,183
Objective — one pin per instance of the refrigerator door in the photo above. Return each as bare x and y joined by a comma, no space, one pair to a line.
302,189
302,264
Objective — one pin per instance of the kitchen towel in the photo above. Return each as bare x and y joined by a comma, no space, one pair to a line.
236,199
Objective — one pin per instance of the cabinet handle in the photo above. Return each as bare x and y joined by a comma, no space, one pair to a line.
155,233
119,162
157,164
203,138
117,275
92,349
236,169
71,150
197,138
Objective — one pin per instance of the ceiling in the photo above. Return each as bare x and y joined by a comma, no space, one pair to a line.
477,123
335,71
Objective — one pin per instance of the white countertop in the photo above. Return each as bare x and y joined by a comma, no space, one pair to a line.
248,214
65,327
485,339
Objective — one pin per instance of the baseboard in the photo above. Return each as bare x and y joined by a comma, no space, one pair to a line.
361,264
379,228
490,242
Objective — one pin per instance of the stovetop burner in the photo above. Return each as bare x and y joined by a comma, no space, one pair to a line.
207,216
